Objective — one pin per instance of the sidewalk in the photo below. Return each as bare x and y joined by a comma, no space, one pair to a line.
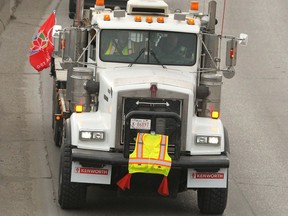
7,8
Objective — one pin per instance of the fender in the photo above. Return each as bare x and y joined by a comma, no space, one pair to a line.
226,140
67,131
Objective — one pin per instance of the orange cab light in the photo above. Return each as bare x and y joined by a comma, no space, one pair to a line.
160,19
215,114
78,108
99,2
194,5
191,22
149,19
106,17
232,55
138,19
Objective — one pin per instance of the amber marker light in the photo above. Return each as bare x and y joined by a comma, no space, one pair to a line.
153,89
138,19
57,117
160,19
99,2
194,6
191,22
106,17
149,19
62,44
78,108
215,114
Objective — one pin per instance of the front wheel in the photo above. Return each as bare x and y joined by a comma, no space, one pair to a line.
70,195
212,200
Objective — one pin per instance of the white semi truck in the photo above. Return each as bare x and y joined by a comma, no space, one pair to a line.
118,73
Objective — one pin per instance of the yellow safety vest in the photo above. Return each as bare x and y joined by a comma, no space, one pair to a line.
150,155
112,50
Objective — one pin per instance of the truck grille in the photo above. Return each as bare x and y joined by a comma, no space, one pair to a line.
164,116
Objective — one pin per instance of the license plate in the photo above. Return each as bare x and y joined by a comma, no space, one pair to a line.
142,124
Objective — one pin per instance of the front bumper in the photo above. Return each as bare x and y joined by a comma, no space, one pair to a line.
114,158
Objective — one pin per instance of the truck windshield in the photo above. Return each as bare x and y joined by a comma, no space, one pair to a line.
148,47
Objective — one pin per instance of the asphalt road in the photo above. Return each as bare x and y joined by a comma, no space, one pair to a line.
254,110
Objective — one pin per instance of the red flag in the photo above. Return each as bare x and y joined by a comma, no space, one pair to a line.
42,46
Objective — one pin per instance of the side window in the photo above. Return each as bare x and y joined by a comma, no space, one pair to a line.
92,49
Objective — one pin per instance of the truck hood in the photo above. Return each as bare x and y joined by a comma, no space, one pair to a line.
121,76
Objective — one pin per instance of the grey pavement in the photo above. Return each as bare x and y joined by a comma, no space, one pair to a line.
7,9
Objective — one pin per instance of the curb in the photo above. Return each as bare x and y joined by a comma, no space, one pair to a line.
6,7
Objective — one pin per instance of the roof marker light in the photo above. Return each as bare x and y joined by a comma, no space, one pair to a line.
160,19
191,22
194,6
149,19
106,17
138,19
99,2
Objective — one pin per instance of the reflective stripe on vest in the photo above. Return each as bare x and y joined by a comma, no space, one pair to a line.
112,50
151,161
150,155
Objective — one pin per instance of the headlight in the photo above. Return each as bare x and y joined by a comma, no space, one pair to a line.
214,140
85,135
207,140
92,135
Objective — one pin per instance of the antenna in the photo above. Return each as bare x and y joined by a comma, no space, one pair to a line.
222,29
223,17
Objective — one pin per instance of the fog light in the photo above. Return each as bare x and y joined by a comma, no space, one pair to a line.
201,139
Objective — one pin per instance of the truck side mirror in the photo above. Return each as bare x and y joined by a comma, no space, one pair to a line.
56,35
229,73
202,92
92,87
231,52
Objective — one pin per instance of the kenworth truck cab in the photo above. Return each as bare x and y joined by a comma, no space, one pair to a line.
145,70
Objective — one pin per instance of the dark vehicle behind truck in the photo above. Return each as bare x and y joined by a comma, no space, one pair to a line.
90,3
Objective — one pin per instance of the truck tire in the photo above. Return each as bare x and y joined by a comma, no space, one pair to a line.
53,102
212,200
70,195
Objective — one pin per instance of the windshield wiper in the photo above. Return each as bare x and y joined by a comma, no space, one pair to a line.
139,55
155,57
